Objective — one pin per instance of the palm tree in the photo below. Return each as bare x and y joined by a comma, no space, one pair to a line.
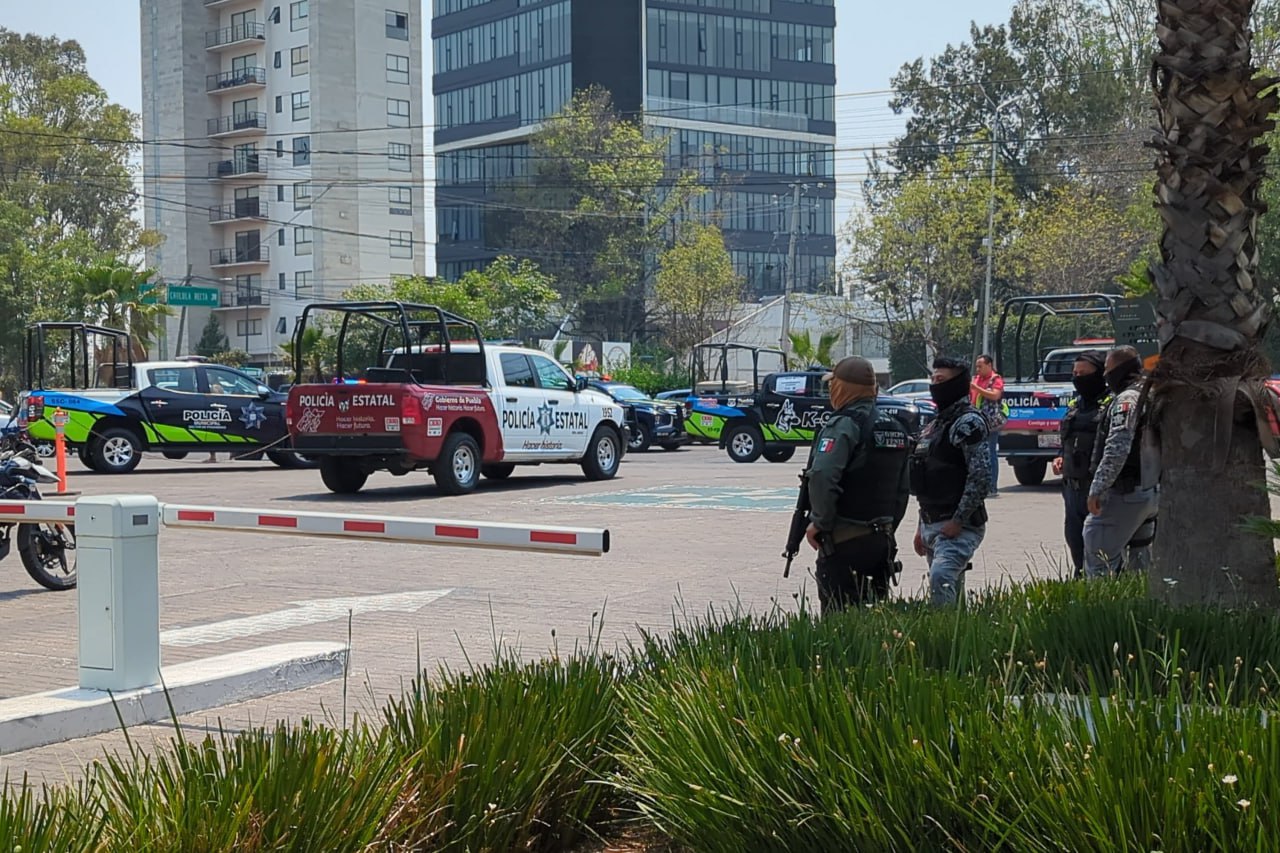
1212,310
113,295
808,354
316,344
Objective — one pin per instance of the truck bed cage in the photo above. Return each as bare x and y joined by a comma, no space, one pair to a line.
724,349
1067,305
115,373
420,326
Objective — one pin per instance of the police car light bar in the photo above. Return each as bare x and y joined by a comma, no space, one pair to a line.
423,531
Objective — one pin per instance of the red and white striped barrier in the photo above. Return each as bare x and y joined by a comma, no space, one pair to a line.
424,531
58,512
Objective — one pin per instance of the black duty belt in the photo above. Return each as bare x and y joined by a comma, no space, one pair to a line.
935,517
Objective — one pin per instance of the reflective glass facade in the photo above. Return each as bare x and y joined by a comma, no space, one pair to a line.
743,90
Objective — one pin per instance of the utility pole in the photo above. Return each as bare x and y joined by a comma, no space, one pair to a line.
985,306
789,283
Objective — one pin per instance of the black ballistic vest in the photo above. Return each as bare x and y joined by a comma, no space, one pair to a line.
1079,434
938,469
870,490
1130,476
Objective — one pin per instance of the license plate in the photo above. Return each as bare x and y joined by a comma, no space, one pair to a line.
1049,440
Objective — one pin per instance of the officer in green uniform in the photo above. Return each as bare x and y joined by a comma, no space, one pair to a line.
858,490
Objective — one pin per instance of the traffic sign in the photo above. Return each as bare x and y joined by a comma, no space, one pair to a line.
199,297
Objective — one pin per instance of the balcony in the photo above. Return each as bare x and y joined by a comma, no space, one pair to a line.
245,208
676,109
244,297
214,4
236,81
240,124
231,36
240,256
240,166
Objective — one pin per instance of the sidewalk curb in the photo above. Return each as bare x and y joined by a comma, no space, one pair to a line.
27,722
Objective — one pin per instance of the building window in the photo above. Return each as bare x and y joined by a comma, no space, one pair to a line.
302,151
300,60
397,68
280,237
248,328
279,104
397,112
275,62
401,244
279,147
301,240
398,154
400,200
298,15
282,281
302,282
301,105
302,196
397,25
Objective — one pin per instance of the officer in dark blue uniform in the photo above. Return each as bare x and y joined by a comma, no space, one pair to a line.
1079,432
858,490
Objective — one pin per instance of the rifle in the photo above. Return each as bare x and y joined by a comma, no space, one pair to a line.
799,525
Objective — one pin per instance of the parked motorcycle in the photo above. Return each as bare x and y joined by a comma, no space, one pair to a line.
46,548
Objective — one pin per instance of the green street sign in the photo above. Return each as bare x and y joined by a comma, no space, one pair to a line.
198,297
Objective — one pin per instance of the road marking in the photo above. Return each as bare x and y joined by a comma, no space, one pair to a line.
302,613
682,497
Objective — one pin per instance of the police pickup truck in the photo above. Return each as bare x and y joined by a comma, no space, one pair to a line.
788,411
116,409
428,394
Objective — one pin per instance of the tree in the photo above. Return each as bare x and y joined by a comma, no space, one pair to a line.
1212,308
696,288
596,207
922,253
507,299
232,358
112,295
809,353
212,339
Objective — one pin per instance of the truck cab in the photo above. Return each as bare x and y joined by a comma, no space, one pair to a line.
415,387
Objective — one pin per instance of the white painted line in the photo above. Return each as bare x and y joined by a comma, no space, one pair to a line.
302,613
27,722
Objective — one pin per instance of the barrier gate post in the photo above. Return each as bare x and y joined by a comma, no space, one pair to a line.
118,583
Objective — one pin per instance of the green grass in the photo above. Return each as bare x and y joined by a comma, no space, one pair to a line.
1059,716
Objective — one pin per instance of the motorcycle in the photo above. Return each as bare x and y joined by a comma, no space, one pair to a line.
44,546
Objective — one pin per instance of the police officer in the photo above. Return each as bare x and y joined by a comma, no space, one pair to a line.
1122,508
950,475
1079,430
858,495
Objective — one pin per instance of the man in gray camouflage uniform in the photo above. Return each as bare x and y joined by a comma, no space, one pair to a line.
1122,507
950,474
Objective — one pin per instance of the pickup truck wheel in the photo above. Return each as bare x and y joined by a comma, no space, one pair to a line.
289,459
779,454
174,454
86,457
498,472
640,439
744,443
603,458
457,471
116,451
1031,473
342,476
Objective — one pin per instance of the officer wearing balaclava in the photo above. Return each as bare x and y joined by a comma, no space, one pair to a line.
1122,506
950,474
858,492
1079,431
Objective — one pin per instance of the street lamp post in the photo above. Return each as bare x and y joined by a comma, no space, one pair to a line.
991,219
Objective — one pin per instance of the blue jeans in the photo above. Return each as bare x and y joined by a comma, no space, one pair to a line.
948,560
993,444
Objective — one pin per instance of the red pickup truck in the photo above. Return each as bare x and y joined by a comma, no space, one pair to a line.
438,398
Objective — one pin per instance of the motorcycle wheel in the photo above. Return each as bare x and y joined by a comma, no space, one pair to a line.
43,548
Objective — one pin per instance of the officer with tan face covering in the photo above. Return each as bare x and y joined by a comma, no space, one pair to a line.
858,490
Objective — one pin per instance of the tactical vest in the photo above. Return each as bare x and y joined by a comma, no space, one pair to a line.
1079,434
1130,476
938,469
870,490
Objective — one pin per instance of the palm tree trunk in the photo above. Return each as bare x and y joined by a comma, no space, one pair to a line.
1212,309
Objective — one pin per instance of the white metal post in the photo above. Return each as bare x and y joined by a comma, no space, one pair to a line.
118,583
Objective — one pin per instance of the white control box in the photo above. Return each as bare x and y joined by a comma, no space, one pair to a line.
118,582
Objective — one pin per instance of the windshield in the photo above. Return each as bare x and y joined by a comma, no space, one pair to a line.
626,392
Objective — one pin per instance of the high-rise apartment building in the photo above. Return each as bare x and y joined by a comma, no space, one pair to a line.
743,88
282,156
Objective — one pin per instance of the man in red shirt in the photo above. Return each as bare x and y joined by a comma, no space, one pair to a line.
987,397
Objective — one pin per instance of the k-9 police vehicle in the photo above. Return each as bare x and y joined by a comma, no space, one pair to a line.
721,387
418,389
788,411
117,409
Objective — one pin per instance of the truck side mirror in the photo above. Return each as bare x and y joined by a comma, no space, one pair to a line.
263,392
